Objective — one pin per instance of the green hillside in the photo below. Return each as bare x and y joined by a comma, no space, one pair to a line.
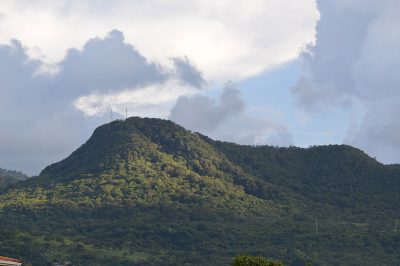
149,192
10,177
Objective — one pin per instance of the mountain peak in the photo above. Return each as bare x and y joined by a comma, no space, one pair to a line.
147,184
119,147
9,177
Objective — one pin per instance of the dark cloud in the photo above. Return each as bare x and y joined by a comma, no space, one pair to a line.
201,113
188,73
40,124
378,131
15,60
105,65
356,60
35,128
228,119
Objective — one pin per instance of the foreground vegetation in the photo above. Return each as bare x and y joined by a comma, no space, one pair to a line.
148,192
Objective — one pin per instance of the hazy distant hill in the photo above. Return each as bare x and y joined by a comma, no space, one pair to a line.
8,177
149,192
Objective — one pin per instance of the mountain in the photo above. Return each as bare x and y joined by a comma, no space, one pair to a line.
10,177
149,192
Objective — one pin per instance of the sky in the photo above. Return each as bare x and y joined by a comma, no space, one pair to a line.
259,72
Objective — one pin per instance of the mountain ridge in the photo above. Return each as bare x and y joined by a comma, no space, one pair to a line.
159,194
10,177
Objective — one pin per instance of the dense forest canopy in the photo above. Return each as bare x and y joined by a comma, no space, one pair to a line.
149,192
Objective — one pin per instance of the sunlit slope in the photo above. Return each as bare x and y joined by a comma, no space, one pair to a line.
149,192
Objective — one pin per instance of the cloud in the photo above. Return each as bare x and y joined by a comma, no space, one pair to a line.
188,73
228,40
46,115
355,60
377,132
106,65
203,113
154,100
33,132
228,119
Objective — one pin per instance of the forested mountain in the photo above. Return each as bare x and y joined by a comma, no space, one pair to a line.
9,177
149,192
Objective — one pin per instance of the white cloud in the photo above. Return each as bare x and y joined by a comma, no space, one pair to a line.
150,101
41,114
230,119
50,104
226,39
355,61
